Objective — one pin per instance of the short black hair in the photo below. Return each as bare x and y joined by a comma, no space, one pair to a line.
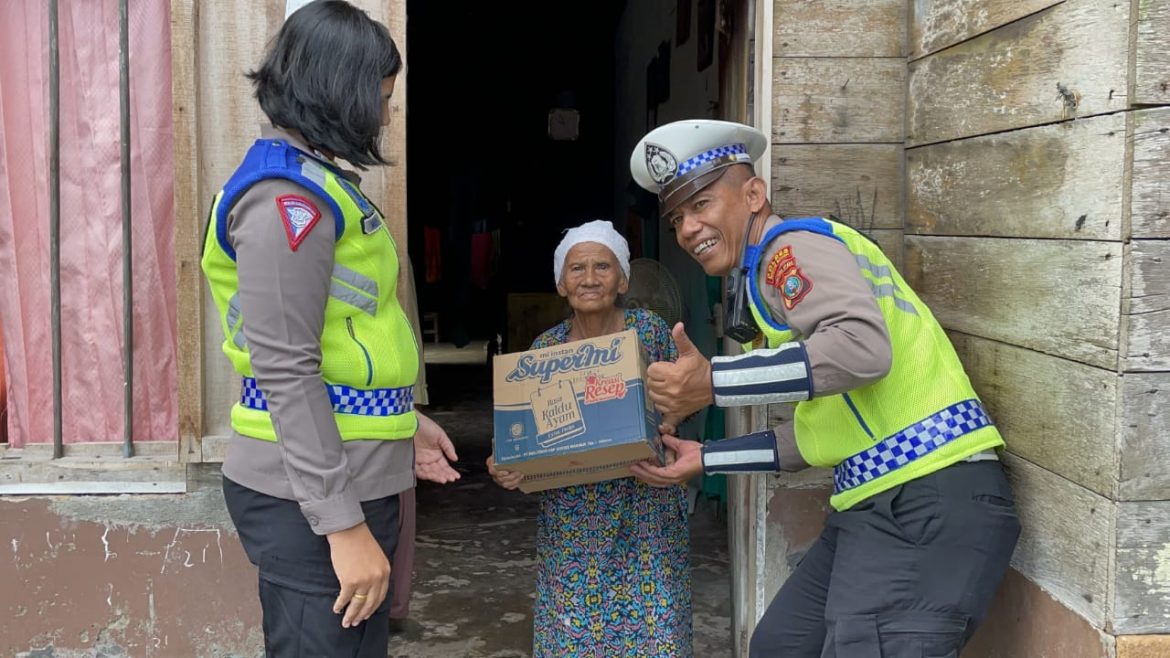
323,75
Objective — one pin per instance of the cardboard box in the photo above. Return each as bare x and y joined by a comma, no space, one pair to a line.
574,413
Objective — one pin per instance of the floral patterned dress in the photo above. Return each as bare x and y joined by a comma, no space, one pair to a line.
614,577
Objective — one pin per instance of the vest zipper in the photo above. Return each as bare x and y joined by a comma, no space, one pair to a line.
365,352
857,414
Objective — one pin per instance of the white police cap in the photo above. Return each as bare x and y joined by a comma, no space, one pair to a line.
677,160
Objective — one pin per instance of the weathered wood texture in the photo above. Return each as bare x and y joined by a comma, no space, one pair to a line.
890,241
839,28
1064,62
1032,293
797,505
83,475
1056,181
746,530
1029,395
1142,596
1145,437
1143,646
230,38
1027,622
188,227
1152,53
936,24
1147,308
857,182
1067,542
1151,174
834,100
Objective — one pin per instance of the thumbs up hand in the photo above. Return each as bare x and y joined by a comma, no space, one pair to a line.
681,388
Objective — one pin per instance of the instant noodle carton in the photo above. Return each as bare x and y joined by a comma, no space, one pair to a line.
574,413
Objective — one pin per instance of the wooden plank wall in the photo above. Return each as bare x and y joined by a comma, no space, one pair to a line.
1036,228
216,119
838,89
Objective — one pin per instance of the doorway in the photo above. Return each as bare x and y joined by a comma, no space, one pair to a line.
513,136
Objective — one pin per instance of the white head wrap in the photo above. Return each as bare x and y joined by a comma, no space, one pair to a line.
599,231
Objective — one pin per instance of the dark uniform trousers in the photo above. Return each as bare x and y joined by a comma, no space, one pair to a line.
297,583
908,573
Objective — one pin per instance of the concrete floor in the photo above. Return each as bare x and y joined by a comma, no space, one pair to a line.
476,567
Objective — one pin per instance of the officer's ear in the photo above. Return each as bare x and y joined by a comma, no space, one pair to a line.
755,192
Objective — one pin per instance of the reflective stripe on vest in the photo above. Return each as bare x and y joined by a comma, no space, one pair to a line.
883,289
367,302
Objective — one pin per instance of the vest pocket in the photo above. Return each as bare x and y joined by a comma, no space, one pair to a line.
362,347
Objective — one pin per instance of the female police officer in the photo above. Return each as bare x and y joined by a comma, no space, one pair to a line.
923,523
303,272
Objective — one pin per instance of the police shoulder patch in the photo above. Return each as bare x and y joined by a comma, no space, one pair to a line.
299,216
784,274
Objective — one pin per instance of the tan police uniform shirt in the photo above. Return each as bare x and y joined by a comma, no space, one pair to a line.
282,299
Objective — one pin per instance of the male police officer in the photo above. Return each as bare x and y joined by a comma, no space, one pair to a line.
923,524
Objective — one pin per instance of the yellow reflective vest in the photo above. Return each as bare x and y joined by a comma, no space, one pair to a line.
369,356
922,416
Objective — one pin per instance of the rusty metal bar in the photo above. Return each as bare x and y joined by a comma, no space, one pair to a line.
55,222
127,237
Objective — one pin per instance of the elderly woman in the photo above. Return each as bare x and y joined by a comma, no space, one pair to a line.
613,573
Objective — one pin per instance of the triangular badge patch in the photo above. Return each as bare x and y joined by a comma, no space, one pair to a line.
299,216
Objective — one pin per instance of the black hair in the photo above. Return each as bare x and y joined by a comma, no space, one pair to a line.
322,77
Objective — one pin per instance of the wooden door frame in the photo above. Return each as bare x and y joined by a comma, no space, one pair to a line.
746,96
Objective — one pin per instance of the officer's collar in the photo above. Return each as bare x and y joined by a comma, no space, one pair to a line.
269,131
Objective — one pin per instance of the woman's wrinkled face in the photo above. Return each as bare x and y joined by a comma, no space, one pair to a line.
591,279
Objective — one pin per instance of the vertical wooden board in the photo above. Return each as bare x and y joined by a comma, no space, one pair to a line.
834,100
1066,546
1068,61
1150,201
1142,596
1152,53
1058,181
188,226
742,532
936,24
1145,436
1056,296
860,183
387,185
839,28
1147,309
1077,446
230,40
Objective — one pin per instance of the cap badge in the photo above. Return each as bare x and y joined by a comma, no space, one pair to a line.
661,164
